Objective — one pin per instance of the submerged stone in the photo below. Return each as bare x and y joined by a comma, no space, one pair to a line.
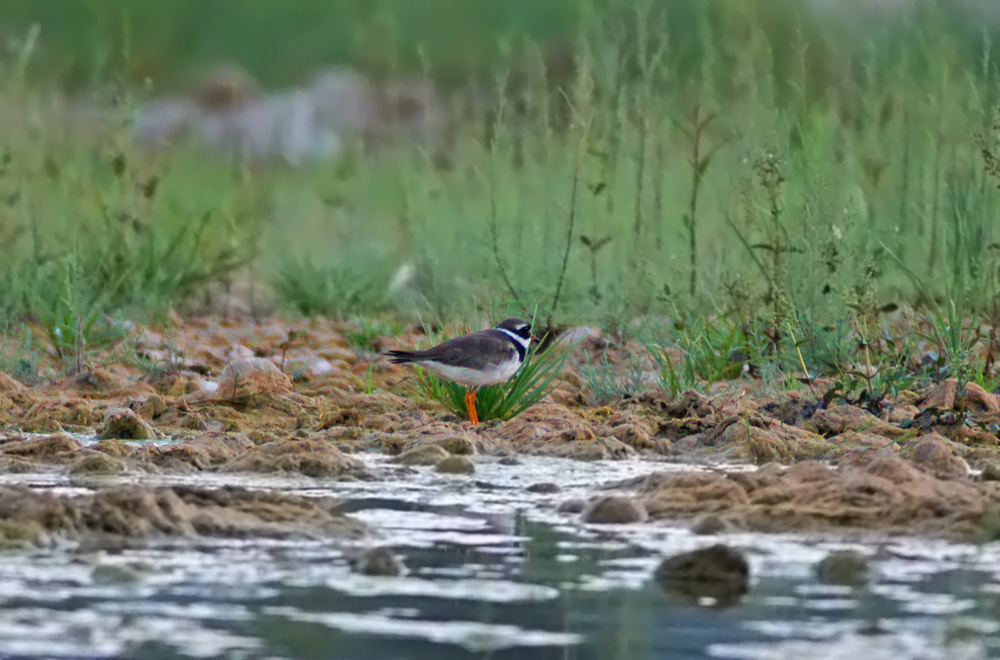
615,510
843,567
719,572
380,561
572,505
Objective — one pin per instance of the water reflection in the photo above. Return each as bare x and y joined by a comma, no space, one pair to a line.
491,573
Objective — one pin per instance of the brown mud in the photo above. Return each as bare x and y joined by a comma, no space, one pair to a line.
299,399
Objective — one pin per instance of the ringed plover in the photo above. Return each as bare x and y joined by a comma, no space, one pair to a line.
475,360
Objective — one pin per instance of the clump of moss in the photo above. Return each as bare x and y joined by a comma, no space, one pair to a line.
16,534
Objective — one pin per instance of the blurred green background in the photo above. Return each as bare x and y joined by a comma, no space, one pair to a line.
278,41
133,42
847,168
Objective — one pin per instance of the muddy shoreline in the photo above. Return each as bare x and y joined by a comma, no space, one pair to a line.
245,403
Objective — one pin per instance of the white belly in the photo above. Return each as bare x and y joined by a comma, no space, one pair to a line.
471,377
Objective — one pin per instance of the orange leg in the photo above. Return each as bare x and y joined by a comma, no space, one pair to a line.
470,405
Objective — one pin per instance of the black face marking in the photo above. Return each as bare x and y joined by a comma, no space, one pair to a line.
519,327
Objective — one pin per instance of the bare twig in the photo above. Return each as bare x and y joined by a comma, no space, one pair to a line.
571,225
639,176
658,192
699,159
495,240
79,344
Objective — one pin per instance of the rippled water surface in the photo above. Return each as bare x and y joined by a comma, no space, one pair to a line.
493,571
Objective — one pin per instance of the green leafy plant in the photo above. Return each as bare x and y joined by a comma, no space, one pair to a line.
529,385
880,370
710,350
957,340
72,336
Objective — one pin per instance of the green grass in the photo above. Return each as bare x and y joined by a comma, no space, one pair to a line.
731,158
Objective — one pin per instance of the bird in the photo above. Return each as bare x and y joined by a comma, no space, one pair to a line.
487,357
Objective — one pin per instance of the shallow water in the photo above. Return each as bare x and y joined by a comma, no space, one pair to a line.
493,572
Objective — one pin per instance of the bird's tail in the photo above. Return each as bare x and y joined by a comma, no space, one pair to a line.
402,357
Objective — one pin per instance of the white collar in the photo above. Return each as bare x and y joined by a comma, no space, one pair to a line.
520,341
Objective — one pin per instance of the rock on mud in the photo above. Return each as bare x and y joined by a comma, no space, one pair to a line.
50,448
615,510
887,494
718,572
581,444
248,377
455,465
637,437
10,384
422,455
858,448
152,407
429,435
135,512
106,382
584,336
771,441
310,457
841,419
124,424
710,524
96,463
937,455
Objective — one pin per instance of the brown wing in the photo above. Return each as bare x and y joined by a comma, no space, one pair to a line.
476,351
